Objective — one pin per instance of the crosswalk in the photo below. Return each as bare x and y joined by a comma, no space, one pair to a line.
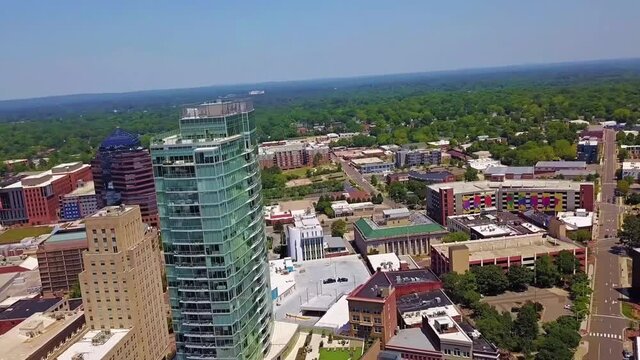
609,336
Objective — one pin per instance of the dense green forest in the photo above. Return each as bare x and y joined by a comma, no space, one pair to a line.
527,109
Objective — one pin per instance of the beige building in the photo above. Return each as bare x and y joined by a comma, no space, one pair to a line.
121,289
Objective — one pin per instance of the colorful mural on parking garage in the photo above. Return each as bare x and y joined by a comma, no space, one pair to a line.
540,201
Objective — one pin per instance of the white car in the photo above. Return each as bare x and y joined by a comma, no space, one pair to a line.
567,306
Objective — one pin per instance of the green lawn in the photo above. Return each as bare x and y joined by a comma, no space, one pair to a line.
14,235
326,354
301,172
627,310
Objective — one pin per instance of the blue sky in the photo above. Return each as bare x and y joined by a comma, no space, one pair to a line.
66,47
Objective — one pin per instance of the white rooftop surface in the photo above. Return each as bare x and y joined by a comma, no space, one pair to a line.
532,227
386,262
579,219
309,276
630,165
90,351
439,143
366,161
454,335
588,142
492,230
280,336
14,344
415,317
412,338
306,221
30,263
394,213
483,163
14,299
279,279
337,316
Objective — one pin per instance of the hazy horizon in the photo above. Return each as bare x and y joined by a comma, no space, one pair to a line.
79,48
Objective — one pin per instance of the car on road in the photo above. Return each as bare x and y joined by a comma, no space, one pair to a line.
343,279
329,281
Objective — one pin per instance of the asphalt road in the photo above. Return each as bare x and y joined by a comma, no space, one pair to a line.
354,175
606,325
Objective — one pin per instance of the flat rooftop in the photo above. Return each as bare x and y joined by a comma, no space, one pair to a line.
501,223
112,211
88,188
60,237
561,164
16,345
419,224
24,308
386,262
480,343
630,165
411,338
485,185
369,290
309,276
90,351
502,170
524,245
367,161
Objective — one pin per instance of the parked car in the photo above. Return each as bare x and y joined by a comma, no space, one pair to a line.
567,306
329,281
343,279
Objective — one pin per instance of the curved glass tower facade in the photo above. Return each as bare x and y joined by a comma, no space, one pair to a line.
210,207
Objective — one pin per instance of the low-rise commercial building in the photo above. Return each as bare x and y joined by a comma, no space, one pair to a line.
413,237
631,169
305,238
542,167
633,151
501,173
343,208
505,252
22,309
372,165
491,224
459,198
587,151
291,154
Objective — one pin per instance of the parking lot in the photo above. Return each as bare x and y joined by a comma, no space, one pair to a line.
309,276
553,300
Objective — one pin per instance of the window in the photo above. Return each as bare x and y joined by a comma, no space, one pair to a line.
355,317
377,329
456,352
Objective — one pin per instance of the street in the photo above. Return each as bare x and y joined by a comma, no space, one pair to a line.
606,324
354,175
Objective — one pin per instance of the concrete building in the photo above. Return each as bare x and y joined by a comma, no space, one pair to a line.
292,154
587,151
543,167
407,158
41,335
491,224
459,198
60,260
373,310
13,209
305,238
412,236
504,252
79,203
501,173
121,289
343,208
371,165
208,184
483,164
22,309
633,151
122,172
42,191
631,169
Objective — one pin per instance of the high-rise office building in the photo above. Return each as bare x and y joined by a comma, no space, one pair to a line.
121,289
122,174
209,200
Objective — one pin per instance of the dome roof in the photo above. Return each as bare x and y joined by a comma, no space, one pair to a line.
120,139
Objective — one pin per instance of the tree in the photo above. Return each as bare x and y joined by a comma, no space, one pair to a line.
470,174
630,232
278,227
398,191
581,235
461,288
633,199
75,291
545,272
377,199
623,186
525,326
519,277
456,236
374,180
490,279
317,159
338,228
567,263
623,154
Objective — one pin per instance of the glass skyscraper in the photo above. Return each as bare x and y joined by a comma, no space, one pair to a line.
210,206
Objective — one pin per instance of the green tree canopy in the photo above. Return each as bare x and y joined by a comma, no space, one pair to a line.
519,277
546,273
338,228
456,236
630,232
490,279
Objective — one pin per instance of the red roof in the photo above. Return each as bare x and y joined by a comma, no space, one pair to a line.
11,269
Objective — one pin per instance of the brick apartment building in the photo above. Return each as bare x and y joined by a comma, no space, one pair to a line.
60,260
